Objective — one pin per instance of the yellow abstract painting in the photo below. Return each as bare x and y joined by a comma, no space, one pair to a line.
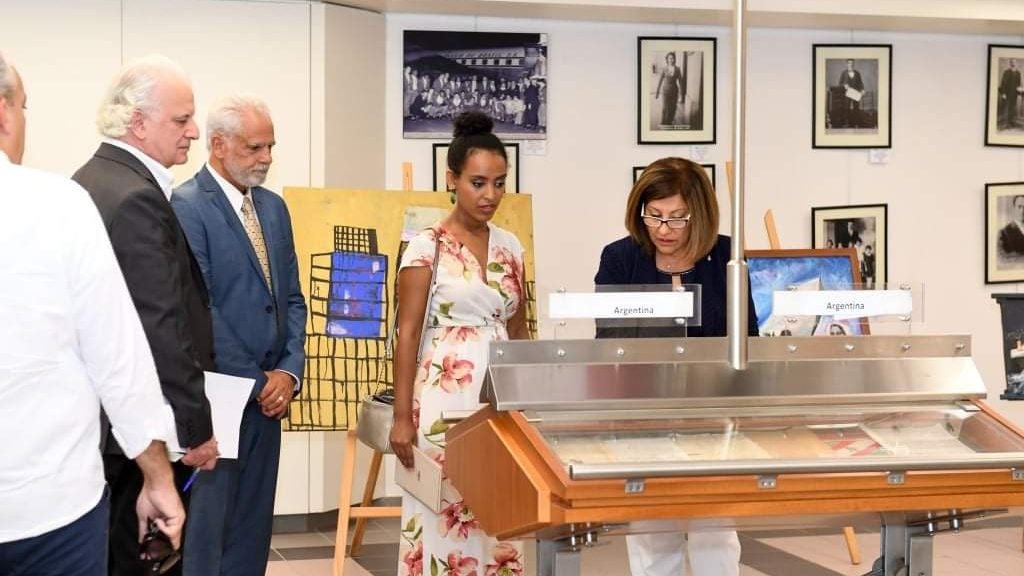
348,244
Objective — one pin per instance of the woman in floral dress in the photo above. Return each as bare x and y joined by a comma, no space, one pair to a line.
477,298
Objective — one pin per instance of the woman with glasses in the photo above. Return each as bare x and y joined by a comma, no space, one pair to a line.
672,219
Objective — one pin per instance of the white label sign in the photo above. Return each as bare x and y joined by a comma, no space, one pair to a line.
620,305
842,303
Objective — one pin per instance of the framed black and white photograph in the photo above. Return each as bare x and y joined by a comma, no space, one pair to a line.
503,74
1004,232
1004,104
709,168
863,228
852,96
675,90
441,167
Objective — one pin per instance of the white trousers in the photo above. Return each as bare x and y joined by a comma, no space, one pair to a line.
664,553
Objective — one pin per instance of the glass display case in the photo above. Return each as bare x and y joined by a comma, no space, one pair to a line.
596,437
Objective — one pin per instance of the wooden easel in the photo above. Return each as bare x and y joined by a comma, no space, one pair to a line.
852,546
365,509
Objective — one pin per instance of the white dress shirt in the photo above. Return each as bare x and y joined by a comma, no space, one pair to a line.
234,195
71,341
164,176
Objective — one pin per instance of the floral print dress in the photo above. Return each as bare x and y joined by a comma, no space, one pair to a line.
470,307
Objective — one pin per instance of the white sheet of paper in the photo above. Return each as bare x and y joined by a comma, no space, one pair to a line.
228,396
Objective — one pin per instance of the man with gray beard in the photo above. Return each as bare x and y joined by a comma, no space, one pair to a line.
241,236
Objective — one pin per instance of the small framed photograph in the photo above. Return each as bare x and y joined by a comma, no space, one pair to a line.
441,167
675,90
1004,232
807,270
863,228
852,96
1004,104
709,168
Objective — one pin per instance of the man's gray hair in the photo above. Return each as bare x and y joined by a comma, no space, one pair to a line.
131,90
225,117
7,79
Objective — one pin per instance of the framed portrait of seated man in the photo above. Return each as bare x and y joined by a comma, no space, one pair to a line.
1004,232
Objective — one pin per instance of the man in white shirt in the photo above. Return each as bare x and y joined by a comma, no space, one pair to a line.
71,342
146,118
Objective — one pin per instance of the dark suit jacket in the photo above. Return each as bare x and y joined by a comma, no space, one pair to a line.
254,330
163,279
626,262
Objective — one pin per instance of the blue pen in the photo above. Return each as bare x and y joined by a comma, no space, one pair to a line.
191,479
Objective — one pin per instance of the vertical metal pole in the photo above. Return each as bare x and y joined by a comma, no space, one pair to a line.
737,279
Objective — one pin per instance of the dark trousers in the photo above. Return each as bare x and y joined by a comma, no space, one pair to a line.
125,481
231,514
78,549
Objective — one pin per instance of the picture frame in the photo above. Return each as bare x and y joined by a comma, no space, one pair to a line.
863,227
680,72
440,166
504,74
1004,239
802,269
1004,98
852,96
709,168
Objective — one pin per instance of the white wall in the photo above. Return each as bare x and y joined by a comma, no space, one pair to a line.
933,184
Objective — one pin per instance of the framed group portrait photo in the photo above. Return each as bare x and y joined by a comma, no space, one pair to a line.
502,74
1004,102
1004,232
440,162
863,228
675,90
852,96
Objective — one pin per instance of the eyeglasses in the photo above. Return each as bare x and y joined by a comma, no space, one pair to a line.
157,551
673,223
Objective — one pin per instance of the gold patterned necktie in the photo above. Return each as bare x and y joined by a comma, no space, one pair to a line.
255,233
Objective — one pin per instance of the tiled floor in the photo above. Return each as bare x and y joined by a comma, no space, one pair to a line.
992,547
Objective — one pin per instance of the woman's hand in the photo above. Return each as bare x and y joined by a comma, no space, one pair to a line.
403,438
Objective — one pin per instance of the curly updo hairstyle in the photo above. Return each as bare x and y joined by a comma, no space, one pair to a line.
472,132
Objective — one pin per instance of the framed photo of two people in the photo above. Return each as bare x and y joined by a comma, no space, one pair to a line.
675,90
852,96
1004,104
863,228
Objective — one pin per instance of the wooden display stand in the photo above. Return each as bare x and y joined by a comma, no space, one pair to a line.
364,510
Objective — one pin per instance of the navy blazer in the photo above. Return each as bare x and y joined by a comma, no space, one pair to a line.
626,262
254,330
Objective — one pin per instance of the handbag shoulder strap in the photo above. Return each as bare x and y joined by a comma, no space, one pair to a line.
390,342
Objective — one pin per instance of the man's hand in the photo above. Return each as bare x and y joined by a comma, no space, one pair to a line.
203,456
276,394
158,501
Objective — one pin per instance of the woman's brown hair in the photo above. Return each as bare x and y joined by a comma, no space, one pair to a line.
668,177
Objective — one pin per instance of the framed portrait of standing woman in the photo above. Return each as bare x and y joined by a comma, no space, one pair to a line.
852,96
675,90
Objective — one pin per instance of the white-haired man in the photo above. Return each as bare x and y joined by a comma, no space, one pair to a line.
146,117
241,235
72,342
